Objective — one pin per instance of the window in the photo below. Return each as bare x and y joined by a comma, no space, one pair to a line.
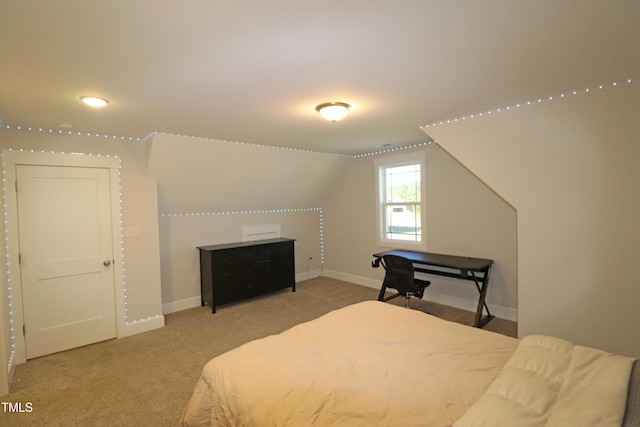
400,198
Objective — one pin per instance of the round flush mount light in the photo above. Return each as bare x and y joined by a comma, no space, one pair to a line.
333,111
94,101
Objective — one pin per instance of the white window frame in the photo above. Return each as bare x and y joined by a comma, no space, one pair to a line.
380,165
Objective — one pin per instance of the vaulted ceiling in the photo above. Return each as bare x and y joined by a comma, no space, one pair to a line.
253,71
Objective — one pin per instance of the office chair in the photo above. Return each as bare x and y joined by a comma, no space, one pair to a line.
400,276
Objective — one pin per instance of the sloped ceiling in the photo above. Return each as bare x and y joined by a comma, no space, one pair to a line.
253,71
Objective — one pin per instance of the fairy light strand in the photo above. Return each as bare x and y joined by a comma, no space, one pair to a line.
9,262
480,114
393,149
12,328
72,133
530,102
238,212
252,144
145,139
256,212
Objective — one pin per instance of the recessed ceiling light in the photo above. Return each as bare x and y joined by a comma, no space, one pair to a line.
94,101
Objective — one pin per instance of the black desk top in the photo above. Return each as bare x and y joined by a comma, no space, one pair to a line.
440,260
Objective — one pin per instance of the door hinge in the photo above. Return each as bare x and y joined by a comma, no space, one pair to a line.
16,185
19,258
24,330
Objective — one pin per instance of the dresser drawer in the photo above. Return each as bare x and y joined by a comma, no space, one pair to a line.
234,256
237,271
275,251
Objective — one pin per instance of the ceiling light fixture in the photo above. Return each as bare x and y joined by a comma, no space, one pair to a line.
333,111
94,101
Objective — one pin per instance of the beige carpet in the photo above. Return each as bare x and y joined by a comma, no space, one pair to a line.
146,380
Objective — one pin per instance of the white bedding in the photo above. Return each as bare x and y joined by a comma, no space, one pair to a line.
369,364
376,364
551,382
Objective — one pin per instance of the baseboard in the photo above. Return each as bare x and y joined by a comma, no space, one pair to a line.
312,274
5,388
439,297
187,303
352,278
470,304
183,304
140,326
435,296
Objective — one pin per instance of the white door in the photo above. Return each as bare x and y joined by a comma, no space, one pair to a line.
66,257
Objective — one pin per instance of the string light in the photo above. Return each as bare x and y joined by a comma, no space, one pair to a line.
225,141
257,212
9,262
387,150
405,147
392,149
72,133
12,330
536,101
151,134
245,212
146,319
148,136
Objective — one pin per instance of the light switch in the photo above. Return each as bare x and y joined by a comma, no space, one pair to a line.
132,231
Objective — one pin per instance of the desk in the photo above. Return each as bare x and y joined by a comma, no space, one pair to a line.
465,268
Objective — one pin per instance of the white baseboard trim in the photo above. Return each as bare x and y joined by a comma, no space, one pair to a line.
435,296
468,304
352,278
187,303
183,304
11,370
308,275
140,326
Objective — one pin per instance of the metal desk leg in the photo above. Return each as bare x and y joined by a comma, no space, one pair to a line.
482,286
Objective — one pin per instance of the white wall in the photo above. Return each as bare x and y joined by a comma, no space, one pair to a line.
200,175
464,217
562,174
210,189
139,208
570,167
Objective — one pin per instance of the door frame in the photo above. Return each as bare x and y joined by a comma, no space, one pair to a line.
12,158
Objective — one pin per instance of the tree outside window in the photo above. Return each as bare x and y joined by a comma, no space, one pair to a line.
400,190
400,202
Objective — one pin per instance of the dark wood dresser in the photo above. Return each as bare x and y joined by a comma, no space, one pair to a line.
236,271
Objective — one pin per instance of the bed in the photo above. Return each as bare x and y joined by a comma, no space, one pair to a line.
377,364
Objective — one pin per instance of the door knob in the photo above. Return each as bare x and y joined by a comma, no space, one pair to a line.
106,263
